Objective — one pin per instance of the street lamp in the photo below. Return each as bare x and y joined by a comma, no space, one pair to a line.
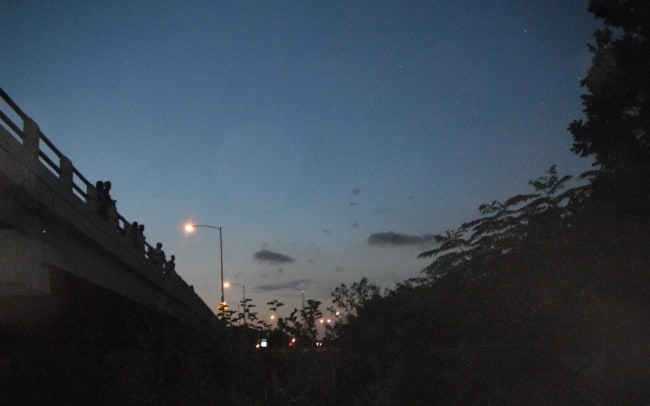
189,228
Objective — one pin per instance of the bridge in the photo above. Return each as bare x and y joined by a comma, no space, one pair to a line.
53,242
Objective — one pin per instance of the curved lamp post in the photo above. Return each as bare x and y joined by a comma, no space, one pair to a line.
189,228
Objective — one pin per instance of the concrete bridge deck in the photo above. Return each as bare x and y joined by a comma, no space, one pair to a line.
49,225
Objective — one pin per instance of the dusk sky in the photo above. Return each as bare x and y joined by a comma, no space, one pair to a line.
329,139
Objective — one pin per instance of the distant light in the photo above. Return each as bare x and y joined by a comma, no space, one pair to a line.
226,284
263,343
189,227
273,317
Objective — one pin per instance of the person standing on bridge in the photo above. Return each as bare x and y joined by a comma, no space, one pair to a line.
140,239
102,203
110,203
170,266
107,193
157,256
105,205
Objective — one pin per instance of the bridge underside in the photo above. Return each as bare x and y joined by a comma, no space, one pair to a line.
83,344
71,306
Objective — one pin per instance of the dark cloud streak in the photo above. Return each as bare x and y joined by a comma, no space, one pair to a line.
272,257
392,238
290,285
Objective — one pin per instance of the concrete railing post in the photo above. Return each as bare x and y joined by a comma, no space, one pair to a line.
113,219
65,173
31,138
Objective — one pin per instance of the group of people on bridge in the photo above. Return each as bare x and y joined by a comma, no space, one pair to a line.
107,211
157,257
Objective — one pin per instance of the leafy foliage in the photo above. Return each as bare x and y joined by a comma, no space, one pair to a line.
302,323
356,296
536,299
617,103
505,226
348,301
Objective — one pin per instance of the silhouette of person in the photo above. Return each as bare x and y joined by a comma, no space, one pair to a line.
110,203
102,203
170,266
140,238
107,192
157,257
134,233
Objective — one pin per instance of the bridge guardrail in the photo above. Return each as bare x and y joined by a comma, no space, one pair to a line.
36,145
64,170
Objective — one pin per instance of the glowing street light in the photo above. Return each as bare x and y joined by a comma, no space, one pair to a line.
189,228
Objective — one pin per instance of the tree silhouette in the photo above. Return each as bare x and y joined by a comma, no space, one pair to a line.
505,226
347,301
357,295
617,103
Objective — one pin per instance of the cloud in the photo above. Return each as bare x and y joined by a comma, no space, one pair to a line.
271,257
290,285
391,238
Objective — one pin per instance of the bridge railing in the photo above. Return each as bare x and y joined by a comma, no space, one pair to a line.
49,155
37,146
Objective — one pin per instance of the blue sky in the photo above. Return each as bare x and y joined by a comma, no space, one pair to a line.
302,128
